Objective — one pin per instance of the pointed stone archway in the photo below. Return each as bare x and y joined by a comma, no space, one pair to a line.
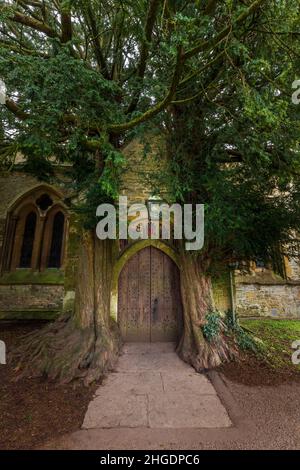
146,299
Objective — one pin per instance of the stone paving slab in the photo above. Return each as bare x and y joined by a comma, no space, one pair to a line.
152,361
153,388
190,382
177,410
146,348
118,410
134,383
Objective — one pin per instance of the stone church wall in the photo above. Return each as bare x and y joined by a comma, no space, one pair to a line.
25,294
277,301
263,293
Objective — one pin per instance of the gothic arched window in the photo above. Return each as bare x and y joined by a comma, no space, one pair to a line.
28,240
55,252
35,232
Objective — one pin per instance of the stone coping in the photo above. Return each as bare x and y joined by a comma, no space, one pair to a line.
29,315
28,277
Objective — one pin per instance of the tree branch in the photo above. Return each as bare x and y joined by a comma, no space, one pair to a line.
18,48
66,25
13,107
210,7
93,145
18,17
118,128
206,45
95,39
25,5
151,17
200,71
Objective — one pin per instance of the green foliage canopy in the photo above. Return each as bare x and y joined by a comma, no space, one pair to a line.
214,76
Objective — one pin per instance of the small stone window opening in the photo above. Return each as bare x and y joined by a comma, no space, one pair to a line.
260,263
44,202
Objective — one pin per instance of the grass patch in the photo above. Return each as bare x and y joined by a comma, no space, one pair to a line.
277,337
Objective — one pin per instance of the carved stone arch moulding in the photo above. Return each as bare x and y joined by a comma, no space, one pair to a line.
35,230
125,256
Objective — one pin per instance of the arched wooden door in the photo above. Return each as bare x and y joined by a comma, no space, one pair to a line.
149,302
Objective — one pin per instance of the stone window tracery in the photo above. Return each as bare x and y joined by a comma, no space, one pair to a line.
35,232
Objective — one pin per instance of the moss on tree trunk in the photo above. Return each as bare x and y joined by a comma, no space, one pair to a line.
197,299
83,344
86,343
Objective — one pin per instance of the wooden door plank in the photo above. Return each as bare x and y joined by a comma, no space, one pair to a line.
122,301
134,298
144,295
163,269
149,302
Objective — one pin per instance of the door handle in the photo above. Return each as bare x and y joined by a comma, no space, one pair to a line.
154,309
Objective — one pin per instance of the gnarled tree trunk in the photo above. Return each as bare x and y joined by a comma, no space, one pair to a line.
197,299
85,343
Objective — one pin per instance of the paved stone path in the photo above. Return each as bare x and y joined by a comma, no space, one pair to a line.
153,388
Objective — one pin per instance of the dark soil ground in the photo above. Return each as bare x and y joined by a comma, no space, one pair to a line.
34,410
252,371
273,364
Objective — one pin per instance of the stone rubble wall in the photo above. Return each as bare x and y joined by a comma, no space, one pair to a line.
264,293
30,301
277,301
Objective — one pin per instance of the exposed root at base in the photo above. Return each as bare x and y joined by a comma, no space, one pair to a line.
61,351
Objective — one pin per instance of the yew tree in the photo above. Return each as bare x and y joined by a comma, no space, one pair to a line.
215,77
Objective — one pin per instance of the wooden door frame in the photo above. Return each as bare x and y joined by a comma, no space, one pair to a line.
126,255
